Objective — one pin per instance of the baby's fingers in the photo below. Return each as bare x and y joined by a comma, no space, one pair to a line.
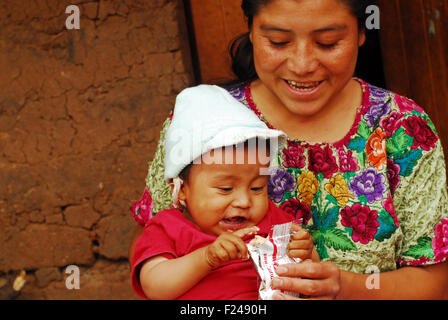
241,233
235,248
300,249
298,233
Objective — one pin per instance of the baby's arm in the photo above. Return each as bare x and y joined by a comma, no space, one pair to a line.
163,278
301,245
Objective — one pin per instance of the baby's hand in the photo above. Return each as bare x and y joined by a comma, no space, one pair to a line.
301,244
228,246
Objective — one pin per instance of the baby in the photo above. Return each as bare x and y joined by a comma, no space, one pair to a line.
217,156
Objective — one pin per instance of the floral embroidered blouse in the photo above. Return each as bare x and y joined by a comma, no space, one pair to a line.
373,201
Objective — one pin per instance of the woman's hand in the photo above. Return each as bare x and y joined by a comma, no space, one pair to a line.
316,280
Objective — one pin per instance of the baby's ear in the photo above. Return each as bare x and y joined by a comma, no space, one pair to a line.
181,194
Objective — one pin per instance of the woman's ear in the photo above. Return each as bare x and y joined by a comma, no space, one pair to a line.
362,37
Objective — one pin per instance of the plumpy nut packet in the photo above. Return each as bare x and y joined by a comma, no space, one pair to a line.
267,254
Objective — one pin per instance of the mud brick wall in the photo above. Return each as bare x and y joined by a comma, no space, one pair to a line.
80,114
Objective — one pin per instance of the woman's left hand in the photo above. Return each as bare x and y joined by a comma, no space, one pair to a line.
316,280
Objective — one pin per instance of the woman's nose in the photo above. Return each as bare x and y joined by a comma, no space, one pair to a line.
302,59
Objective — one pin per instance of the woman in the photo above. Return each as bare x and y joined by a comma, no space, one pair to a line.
363,168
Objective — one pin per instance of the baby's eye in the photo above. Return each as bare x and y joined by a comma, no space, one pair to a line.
225,189
257,188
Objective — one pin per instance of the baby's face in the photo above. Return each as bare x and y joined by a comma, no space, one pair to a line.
222,195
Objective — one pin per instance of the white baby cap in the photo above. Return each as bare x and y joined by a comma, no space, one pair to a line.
207,117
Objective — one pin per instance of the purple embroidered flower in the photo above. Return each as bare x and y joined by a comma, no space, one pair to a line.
440,242
393,170
377,93
369,184
280,181
375,113
346,161
237,92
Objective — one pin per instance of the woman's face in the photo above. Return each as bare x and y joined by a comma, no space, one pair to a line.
305,51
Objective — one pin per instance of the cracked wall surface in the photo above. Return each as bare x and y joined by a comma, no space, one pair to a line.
80,114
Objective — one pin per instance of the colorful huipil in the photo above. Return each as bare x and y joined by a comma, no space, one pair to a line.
373,201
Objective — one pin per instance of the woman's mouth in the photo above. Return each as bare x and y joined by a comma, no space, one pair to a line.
304,90
304,87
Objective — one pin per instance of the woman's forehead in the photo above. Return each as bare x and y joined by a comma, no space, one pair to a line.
280,9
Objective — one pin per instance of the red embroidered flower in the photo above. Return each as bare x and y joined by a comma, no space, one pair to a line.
293,156
346,161
362,220
142,209
299,210
406,105
389,207
322,160
418,128
393,171
440,242
420,262
391,123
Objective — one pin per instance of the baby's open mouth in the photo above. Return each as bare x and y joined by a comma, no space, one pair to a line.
234,223
234,220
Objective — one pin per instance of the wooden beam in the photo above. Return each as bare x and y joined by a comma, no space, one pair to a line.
216,23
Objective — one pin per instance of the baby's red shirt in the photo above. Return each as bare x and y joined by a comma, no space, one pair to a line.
170,235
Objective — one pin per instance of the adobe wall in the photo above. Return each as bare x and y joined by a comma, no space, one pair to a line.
80,114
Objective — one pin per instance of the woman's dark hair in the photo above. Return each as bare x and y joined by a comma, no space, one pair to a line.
241,50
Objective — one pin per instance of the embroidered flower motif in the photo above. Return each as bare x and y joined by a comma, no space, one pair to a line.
369,184
375,113
393,170
376,149
406,104
280,181
307,186
142,209
299,210
362,220
347,163
322,160
377,93
418,128
440,242
420,262
293,156
338,188
391,123
389,207
237,92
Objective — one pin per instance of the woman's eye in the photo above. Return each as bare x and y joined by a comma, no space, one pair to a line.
278,43
327,45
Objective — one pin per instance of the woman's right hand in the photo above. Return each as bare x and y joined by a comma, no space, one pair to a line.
316,280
